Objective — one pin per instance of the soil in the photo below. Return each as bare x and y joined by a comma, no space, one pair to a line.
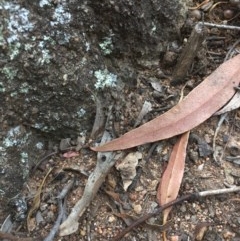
113,209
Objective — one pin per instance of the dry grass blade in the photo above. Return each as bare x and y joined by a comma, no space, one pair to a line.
201,103
36,200
172,177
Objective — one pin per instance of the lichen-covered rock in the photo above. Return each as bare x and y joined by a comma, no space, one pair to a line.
51,50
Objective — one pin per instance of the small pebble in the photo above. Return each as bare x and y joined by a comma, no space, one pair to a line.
137,208
196,14
228,14
200,167
111,219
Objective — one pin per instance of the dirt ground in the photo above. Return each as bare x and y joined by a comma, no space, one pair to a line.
113,209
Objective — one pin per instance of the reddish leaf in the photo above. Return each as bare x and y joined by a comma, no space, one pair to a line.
202,102
172,177
70,154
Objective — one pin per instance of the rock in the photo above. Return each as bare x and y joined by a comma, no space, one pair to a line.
52,50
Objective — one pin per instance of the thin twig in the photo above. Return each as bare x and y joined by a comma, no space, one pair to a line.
223,26
231,50
188,197
61,210
9,236
144,218
222,118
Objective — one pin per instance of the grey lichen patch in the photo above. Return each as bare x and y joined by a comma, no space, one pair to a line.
14,50
45,58
43,3
2,88
18,22
9,72
105,79
107,45
39,145
2,40
61,14
17,27
16,137
24,88
81,112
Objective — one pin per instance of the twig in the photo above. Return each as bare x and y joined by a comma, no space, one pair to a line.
61,210
188,54
222,118
141,220
223,26
231,50
55,228
188,197
98,125
41,160
9,236
105,161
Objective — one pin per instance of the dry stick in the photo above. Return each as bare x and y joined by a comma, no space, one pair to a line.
188,54
60,197
187,197
223,26
98,125
231,50
105,161
9,236
222,118
191,49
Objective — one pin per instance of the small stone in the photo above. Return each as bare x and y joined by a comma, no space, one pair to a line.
200,167
82,232
111,219
228,14
137,208
196,14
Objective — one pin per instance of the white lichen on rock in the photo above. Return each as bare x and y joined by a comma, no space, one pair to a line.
9,72
15,137
107,44
43,3
39,145
81,112
105,79
18,22
61,15
45,58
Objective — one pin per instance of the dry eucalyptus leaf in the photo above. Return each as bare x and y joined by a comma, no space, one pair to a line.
201,103
172,177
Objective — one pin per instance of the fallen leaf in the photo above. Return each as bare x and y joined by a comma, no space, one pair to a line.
70,154
201,103
172,176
